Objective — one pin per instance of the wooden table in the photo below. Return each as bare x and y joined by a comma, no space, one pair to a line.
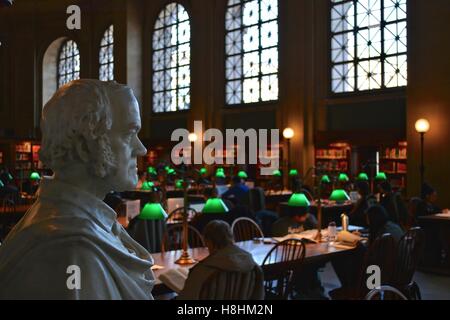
437,240
320,252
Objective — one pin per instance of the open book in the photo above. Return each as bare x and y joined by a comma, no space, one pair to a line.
308,235
175,278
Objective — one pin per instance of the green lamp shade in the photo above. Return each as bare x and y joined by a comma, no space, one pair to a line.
151,170
339,195
298,200
363,177
381,176
220,174
171,172
343,177
242,175
277,173
293,173
35,176
167,168
10,177
325,179
152,211
1,184
179,184
215,205
203,171
146,186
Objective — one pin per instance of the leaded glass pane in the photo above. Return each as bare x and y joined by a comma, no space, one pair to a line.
368,44
106,56
171,60
68,63
251,47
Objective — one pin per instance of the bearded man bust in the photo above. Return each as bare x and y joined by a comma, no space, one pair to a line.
69,244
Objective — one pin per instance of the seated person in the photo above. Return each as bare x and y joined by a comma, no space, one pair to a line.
224,256
393,203
237,192
307,283
358,215
428,204
348,267
297,220
379,224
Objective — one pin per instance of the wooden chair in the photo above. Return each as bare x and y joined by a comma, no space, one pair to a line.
245,229
177,215
289,256
382,253
8,203
409,251
173,238
385,293
230,286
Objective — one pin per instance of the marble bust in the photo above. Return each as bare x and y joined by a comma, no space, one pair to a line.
69,244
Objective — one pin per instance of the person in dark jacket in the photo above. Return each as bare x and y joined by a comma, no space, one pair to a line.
237,192
358,215
379,224
393,203
428,204
224,256
296,220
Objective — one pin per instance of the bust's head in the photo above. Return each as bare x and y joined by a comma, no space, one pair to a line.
93,125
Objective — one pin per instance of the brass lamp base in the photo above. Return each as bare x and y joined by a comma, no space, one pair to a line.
185,259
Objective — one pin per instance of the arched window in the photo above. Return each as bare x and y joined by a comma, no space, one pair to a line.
251,46
68,63
368,45
171,60
106,55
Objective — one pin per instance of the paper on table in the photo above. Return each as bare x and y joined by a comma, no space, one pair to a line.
308,234
347,238
444,214
175,278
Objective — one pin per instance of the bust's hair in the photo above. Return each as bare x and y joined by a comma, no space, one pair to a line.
75,123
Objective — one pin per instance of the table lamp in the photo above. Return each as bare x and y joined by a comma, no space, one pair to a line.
325,179
35,176
293,173
147,186
242,174
276,173
363,177
298,200
343,177
152,211
339,195
215,205
381,176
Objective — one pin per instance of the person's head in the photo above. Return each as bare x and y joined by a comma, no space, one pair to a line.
428,193
377,217
237,180
93,125
385,187
299,214
217,235
363,188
